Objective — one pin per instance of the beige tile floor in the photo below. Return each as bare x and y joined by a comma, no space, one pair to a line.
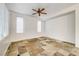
42,46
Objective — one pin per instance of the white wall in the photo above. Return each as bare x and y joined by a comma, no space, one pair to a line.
67,10
30,27
62,27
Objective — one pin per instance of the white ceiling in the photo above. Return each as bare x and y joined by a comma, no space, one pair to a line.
26,8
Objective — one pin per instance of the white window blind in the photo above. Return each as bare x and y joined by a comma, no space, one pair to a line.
39,26
19,25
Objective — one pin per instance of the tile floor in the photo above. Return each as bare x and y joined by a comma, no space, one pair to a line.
42,46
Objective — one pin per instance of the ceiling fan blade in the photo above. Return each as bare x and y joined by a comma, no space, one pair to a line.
34,10
39,14
34,13
43,13
42,9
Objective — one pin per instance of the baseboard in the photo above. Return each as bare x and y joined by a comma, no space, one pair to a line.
59,39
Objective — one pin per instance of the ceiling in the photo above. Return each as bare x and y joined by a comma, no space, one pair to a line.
26,8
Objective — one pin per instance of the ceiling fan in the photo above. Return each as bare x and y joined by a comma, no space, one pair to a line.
39,11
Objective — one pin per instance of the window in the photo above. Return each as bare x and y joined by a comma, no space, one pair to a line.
19,25
39,26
